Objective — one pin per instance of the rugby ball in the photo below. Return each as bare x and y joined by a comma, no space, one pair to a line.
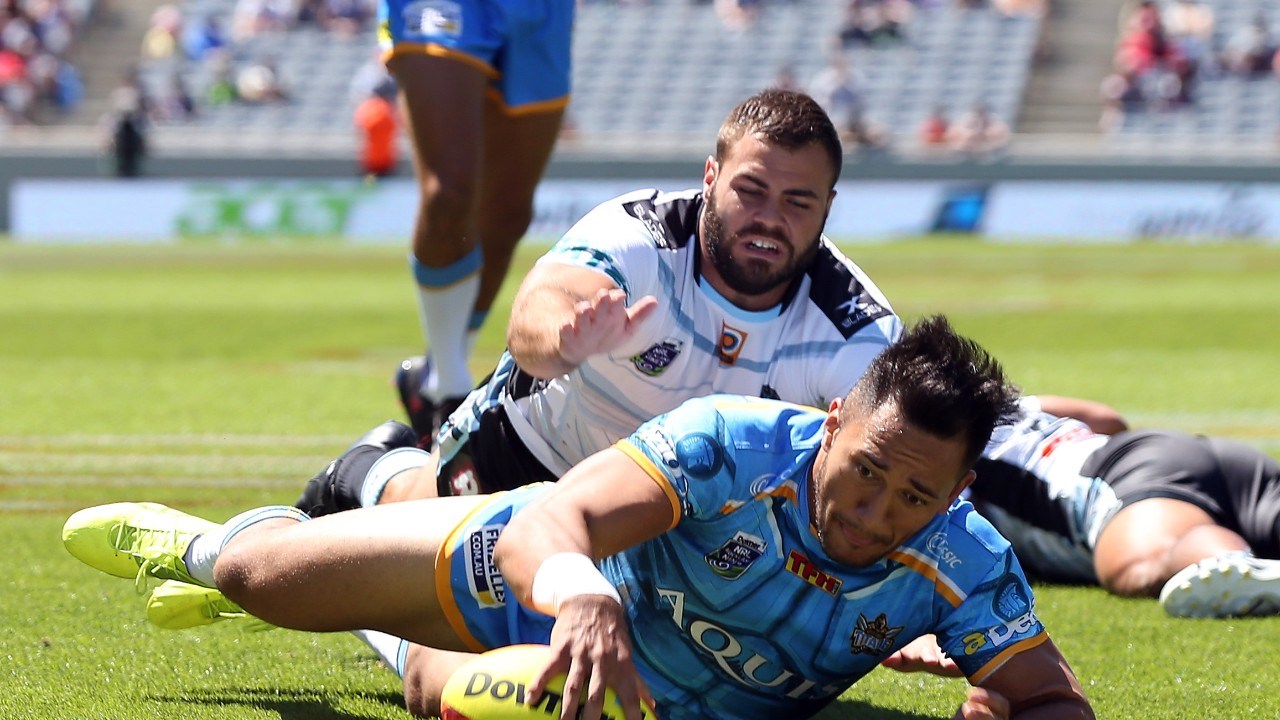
494,686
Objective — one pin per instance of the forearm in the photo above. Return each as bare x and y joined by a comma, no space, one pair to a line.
533,333
1064,709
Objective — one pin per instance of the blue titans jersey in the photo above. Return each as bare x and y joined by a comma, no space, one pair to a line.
737,611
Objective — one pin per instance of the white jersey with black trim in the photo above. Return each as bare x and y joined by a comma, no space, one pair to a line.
808,350
1030,486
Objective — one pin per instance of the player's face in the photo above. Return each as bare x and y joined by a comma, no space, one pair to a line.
877,481
764,213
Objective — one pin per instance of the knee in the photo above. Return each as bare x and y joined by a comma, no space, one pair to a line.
244,579
422,687
1141,578
448,194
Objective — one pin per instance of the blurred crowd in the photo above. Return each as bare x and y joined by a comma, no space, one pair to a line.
35,39
211,46
1166,49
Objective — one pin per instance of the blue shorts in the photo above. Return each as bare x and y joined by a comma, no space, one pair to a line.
522,45
470,587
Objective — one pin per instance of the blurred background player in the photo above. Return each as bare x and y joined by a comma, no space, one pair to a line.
1144,513
378,123
484,85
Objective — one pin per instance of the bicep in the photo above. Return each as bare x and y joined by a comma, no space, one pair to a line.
603,505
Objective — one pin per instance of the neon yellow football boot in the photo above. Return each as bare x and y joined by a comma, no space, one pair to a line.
134,540
177,605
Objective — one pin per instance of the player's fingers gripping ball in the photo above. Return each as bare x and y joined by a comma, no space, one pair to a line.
495,686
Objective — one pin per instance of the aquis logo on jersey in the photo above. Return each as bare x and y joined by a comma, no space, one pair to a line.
731,342
873,637
655,361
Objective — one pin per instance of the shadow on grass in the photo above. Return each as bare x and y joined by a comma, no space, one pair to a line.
860,710
289,704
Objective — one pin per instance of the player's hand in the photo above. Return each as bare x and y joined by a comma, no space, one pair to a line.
983,704
591,645
602,323
923,655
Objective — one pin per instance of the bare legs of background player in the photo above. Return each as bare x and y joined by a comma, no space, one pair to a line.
478,164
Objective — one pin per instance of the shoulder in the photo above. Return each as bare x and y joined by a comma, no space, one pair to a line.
844,293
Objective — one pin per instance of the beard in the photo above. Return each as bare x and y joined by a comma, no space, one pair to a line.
754,277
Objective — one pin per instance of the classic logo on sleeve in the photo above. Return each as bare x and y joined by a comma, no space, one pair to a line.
487,584
732,559
873,637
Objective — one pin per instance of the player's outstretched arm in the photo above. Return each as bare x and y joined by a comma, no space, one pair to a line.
1100,417
547,555
564,314
1035,684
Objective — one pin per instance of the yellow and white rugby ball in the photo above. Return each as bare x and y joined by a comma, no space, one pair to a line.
495,686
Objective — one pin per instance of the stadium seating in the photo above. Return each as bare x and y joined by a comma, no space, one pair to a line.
666,71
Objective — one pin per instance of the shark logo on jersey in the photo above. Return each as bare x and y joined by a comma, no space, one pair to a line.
733,558
483,578
433,17
654,361
700,455
858,308
731,342
873,637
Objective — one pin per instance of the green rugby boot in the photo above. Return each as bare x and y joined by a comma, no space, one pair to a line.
134,540
177,605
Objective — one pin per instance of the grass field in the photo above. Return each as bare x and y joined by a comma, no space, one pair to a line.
215,378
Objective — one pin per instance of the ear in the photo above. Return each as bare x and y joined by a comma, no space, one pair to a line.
832,422
965,482
709,174
830,199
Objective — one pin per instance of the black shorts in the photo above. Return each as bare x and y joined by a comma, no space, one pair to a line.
493,458
1237,485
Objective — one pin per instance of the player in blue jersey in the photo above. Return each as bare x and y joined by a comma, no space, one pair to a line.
1192,520
485,84
762,556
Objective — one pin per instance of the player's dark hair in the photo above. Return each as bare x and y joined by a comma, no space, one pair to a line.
787,119
942,383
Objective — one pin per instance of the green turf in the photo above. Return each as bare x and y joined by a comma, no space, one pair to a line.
214,378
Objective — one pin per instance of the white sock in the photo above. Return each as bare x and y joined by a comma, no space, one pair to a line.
441,292
387,467
203,551
390,648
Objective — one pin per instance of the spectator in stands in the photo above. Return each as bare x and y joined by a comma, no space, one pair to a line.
1249,51
203,37
176,105
1189,24
259,83
379,125
838,89
222,84
738,14
344,17
874,22
1146,54
978,132
932,132
124,128
163,32
1121,98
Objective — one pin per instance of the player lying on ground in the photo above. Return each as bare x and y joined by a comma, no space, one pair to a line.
1145,513
763,556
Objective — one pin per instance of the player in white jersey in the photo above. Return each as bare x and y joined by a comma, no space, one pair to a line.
734,558
651,299
1193,520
